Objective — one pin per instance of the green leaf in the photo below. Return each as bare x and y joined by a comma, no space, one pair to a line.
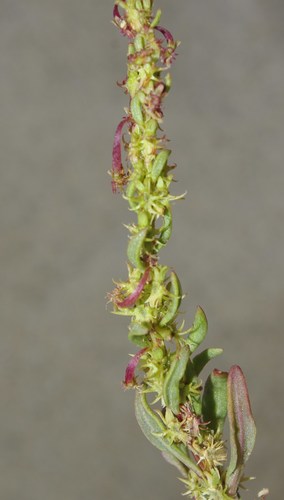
204,357
138,329
166,229
136,110
140,340
171,388
242,427
153,429
156,18
190,374
214,400
138,334
135,249
159,164
198,331
174,301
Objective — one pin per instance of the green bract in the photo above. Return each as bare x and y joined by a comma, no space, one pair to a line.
171,389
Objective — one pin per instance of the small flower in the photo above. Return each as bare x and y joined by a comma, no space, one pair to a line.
174,429
191,422
210,451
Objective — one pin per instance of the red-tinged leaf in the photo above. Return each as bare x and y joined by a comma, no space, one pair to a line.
134,296
167,34
118,174
167,54
129,379
121,23
242,427
116,13
116,150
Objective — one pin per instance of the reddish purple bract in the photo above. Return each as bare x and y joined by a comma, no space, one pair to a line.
118,174
134,296
131,367
167,34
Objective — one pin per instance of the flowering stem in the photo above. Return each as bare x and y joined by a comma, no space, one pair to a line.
180,418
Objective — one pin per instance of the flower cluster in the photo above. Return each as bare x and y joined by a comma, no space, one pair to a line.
184,419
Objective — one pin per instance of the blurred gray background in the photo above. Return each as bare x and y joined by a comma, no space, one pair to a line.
68,430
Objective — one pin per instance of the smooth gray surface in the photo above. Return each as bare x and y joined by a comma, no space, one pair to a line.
67,429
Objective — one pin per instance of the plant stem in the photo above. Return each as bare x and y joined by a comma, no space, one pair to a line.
180,419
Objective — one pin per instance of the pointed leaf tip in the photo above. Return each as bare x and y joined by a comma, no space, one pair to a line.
201,360
198,331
